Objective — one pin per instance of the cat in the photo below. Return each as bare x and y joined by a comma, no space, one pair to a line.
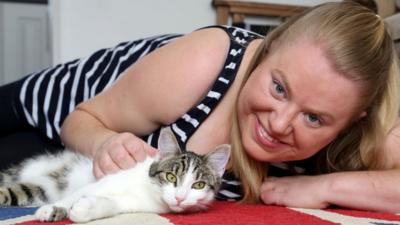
64,186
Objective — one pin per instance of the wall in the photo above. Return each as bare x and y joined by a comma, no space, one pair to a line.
24,44
1,44
81,27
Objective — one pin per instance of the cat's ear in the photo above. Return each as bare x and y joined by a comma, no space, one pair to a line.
219,158
167,143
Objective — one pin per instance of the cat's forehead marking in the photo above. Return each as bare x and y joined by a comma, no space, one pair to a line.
188,178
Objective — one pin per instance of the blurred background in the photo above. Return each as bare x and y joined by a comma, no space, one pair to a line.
35,34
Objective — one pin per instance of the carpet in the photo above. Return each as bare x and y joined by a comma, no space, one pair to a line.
226,213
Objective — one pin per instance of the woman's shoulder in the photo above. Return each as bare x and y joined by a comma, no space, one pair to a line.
162,85
236,34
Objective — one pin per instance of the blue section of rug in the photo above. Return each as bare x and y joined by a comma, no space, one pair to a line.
384,223
12,212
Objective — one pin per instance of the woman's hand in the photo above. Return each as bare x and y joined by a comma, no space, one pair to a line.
120,151
296,191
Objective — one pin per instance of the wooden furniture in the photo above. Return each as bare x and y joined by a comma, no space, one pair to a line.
238,10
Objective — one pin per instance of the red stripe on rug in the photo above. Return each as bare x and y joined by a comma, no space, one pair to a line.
367,214
37,222
230,213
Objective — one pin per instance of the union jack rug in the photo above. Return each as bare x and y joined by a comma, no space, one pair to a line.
226,213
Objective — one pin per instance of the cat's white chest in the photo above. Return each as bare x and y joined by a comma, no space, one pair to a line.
133,188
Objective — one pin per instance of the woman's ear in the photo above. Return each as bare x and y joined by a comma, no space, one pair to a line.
359,117
362,115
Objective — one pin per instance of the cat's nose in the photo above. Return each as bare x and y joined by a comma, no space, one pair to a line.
179,199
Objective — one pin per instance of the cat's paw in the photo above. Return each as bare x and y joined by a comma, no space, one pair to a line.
82,210
5,199
51,213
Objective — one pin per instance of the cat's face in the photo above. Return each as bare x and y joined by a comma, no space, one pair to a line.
188,181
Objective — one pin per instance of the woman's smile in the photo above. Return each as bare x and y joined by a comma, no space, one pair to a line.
264,138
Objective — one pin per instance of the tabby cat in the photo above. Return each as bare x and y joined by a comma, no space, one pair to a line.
63,184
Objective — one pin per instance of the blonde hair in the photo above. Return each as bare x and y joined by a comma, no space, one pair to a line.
358,46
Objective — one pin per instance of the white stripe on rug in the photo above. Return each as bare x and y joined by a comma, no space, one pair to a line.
133,219
343,219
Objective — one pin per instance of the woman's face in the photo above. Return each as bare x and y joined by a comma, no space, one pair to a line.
294,104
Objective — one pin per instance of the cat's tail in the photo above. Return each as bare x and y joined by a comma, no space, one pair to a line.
22,194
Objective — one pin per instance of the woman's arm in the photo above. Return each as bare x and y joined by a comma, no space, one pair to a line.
155,91
366,190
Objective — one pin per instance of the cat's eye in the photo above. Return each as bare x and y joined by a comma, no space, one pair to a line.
199,185
170,177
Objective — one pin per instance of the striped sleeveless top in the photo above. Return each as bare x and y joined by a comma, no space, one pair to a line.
48,96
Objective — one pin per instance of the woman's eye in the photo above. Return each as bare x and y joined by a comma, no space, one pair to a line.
199,185
278,88
170,177
314,119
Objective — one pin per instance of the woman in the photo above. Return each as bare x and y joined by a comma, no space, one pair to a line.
323,86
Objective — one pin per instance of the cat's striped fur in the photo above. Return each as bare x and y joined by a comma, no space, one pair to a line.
173,181
44,179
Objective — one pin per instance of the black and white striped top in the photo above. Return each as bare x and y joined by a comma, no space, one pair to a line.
48,96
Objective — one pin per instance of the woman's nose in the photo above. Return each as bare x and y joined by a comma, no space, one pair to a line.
281,121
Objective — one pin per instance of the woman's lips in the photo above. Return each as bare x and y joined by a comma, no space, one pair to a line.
264,138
